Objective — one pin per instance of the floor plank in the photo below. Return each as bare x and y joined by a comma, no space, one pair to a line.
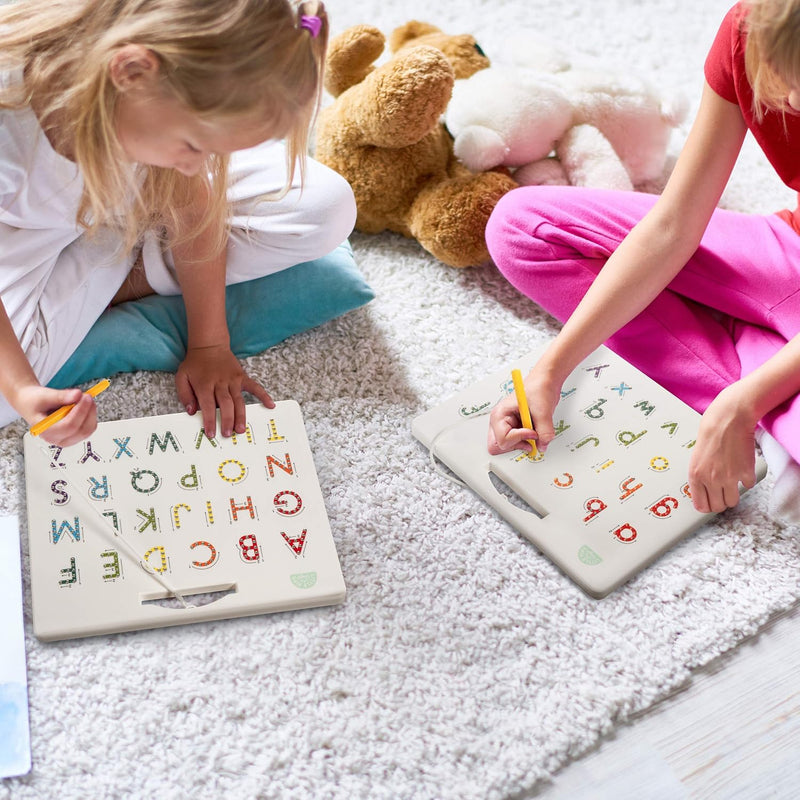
733,732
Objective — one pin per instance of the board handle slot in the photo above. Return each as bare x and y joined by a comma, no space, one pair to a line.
501,487
197,596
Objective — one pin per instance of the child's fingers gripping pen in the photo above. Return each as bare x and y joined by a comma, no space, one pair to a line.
62,412
522,402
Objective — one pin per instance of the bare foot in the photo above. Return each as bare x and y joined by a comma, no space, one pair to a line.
135,285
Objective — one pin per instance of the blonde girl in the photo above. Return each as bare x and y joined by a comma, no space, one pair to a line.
153,145
705,301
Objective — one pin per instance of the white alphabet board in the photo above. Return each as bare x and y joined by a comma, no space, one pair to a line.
146,506
610,495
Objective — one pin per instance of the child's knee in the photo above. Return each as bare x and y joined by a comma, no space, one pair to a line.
332,203
305,224
501,228
511,230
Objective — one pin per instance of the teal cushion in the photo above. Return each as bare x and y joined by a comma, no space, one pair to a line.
150,334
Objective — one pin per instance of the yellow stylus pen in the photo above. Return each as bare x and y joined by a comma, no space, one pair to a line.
522,402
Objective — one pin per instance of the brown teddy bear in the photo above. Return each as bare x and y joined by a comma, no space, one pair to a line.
385,135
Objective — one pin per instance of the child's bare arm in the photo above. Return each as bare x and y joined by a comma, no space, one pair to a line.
210,376
724,454
34,402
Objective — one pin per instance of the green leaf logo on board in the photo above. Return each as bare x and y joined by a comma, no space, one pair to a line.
304,580
588,556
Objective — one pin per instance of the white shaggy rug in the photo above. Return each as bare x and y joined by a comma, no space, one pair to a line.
462,664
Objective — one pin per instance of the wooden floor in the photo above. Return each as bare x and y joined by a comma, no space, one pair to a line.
733,732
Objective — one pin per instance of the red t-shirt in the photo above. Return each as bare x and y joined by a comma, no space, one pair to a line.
777,134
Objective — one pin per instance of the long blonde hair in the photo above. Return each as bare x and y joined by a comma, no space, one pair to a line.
220,58
772,52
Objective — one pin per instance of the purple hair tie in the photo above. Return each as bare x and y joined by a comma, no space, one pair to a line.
313,24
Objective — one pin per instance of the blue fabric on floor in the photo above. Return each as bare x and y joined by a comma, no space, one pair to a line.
150,334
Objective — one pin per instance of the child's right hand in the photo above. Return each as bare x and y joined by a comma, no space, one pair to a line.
505,431
35,402
212,377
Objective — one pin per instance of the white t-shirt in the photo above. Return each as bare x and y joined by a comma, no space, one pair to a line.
39,195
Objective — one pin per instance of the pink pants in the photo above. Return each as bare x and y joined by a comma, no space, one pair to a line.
734,304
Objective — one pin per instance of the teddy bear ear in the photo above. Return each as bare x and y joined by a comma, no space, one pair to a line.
351,56
410,31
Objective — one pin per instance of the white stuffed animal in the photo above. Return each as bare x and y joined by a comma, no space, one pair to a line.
575,127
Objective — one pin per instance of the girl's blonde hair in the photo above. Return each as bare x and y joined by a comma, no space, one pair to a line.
772,52
222,59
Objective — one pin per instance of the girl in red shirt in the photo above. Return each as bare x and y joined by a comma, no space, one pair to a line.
705,301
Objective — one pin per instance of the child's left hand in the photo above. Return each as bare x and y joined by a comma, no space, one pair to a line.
212,377
724,455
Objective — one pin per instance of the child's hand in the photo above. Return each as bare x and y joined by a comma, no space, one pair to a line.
505,431
35,402
211,378
724,455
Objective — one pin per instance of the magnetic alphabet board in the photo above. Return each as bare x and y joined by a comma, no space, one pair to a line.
149,505
610,495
